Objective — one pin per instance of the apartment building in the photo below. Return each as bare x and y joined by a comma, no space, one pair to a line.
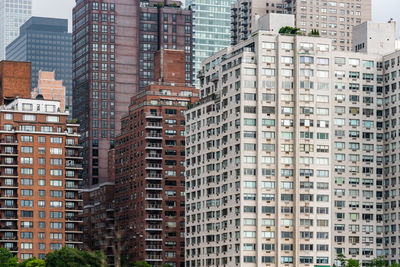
333,19
149,167
245,14
39,178
114,45
291,155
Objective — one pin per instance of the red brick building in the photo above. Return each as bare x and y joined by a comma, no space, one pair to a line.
39,176
15,80
149,167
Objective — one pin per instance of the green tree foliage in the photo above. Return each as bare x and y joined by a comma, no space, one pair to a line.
141,264
32,262
395,265
352,263
378,262
7,259
71,257
289,30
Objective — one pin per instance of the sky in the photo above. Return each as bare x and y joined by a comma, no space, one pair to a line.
382,10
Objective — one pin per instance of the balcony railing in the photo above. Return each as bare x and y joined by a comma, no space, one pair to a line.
154,124
156,186
154,166
154,155
153,145
153,217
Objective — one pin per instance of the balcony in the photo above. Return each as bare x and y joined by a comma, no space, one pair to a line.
8,164
153,238
156,156
156,177
153,227
72,187
153,248
8,142
153,207
153,197
154,166
153,115
153,187
8,207
9,185
156,136
8,196
154,125
8,239
154,146
154,217
73,145
153,258
72,165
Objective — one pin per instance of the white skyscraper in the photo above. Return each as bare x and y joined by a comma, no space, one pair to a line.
291,154
13,13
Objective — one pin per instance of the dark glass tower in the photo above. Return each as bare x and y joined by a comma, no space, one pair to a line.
46,43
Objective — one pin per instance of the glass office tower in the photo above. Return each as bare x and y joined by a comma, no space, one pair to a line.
13,13
211,28
46,43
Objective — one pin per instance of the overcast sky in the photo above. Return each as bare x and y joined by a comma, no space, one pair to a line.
382,10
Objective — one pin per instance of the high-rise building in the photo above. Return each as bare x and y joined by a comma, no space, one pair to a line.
114,43
291,153
50,88
105,76
13,13
40,164
211,28
245,14
332,19
149,167
163,26
46,43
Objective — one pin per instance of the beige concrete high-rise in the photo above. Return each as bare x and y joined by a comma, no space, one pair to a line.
292,155
333,19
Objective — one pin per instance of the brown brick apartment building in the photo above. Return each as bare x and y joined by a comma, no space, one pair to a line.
149,167
39,177
114,44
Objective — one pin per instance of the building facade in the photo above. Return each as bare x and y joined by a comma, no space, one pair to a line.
291,155
13,13
332,19
149,167
50,88
245,14
211,28
165,26
40,165
46,43
15,80
114,43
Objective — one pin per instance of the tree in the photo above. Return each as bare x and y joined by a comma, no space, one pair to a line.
32,262
141,264
341,258
352,263
395,265
71,257
167,265
378,262
7,259
289,30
